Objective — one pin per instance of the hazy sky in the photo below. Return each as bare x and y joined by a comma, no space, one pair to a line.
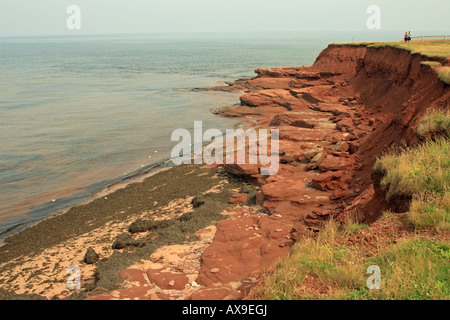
48,17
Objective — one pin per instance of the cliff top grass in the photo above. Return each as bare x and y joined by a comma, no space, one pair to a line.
429,48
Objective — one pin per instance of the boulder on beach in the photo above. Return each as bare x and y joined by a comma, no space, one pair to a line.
91,256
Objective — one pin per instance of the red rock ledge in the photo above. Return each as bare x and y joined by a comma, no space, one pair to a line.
334,118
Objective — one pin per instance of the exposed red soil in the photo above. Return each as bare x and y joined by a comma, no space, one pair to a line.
334,118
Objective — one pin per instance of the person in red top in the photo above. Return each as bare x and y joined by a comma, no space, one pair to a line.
406,37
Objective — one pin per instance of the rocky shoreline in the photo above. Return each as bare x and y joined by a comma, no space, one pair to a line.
209,232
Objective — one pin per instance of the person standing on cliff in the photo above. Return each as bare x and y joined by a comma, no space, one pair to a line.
406,37
409,36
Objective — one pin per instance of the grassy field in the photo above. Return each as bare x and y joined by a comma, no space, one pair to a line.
411,249
429,48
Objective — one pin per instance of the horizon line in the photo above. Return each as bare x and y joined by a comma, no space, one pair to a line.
198,32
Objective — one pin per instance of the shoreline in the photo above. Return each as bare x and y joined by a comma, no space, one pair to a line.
210,232
97,189
135,179
102,232
85,196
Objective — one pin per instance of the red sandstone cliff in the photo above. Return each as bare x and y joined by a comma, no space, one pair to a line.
334,118
374,94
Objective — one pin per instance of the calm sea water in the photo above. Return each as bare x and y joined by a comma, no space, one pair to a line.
79,113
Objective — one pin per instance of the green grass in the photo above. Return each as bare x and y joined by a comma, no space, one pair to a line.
422,173
413,268
435,122
352,225
444,74
353,44
352,228
430,211
429,48
319,258
425,168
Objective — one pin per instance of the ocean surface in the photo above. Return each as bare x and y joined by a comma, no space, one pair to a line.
80,113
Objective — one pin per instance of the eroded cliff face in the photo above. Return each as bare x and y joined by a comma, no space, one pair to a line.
333,118
388,79
394,88
341,59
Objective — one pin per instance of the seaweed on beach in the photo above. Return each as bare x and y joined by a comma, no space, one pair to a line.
152,195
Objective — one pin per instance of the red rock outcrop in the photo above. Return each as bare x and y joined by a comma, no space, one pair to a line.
334,118
339,114
343,111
